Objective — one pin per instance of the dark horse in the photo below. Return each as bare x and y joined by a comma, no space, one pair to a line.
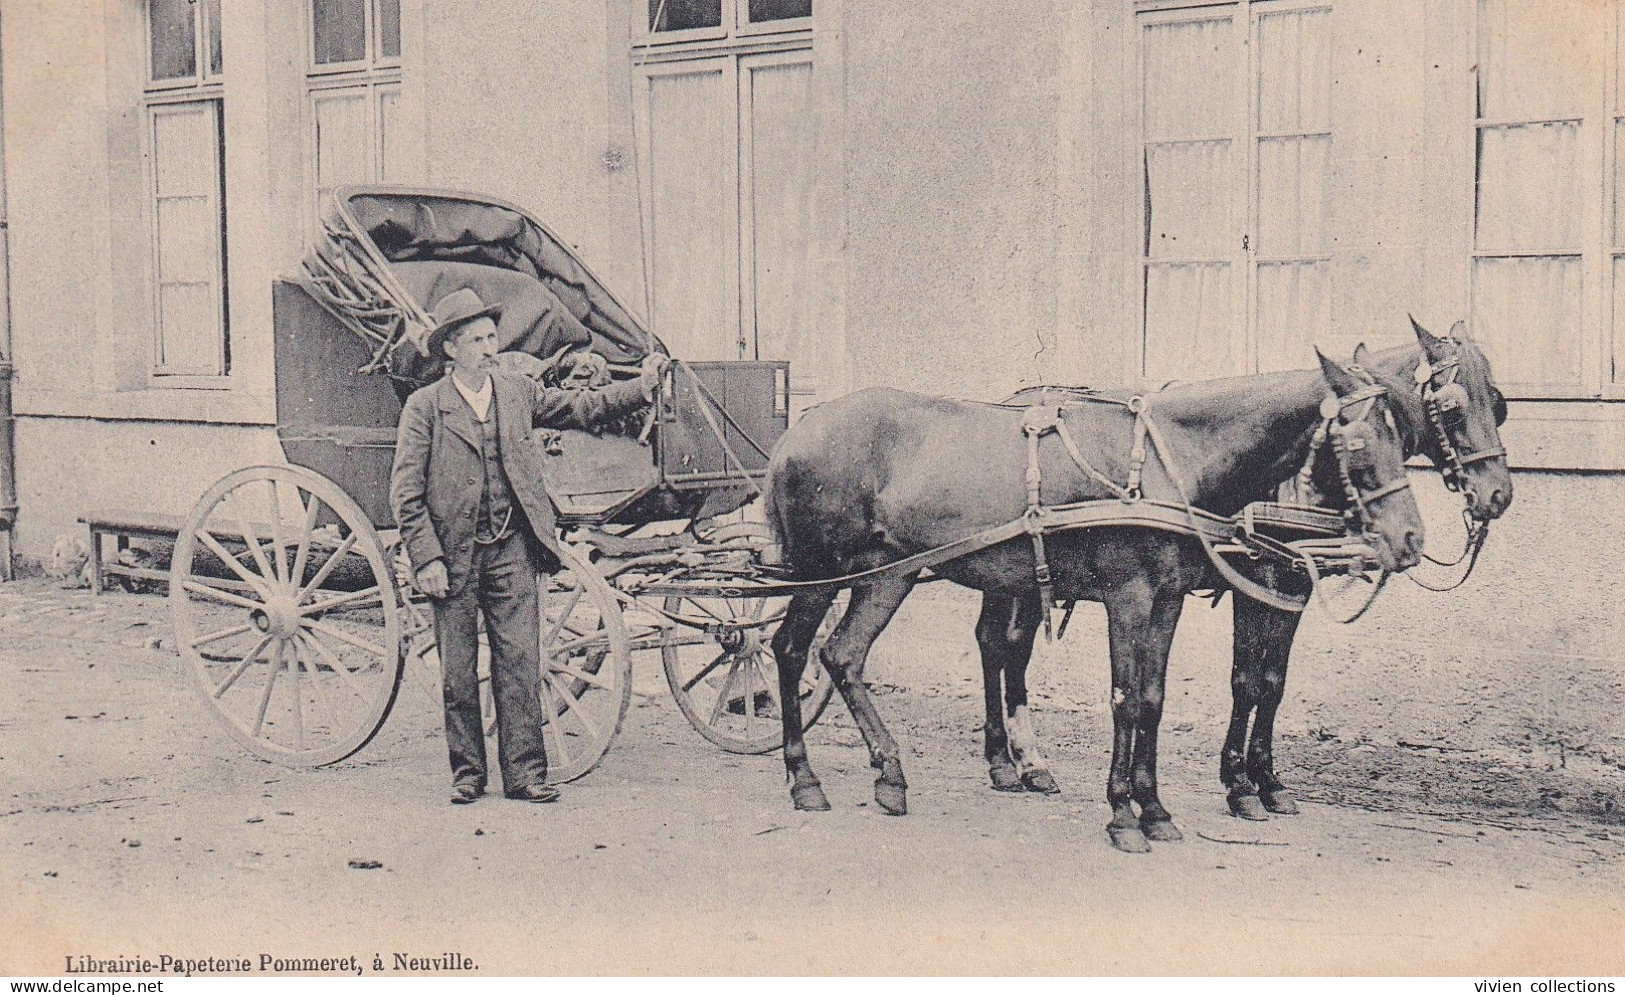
882,475
1446,407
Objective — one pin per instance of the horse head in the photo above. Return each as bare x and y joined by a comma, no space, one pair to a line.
1462,410
1370,458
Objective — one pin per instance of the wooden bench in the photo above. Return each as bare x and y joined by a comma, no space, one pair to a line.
123,526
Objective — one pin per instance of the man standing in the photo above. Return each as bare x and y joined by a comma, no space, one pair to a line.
466,490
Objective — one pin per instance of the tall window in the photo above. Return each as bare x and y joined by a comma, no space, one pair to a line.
353,92
185,139
1548,249
1236,146
727,130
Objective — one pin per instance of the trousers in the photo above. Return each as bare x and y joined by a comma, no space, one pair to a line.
501,587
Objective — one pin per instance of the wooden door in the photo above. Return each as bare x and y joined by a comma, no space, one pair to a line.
777,135
1235,142
689,134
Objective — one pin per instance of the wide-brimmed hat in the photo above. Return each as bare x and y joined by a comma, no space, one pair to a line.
454,310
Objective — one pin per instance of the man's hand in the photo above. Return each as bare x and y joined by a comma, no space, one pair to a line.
654,368
432,580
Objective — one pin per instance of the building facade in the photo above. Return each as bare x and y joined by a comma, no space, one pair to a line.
963,198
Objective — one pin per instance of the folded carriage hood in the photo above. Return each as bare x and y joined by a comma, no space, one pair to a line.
417,224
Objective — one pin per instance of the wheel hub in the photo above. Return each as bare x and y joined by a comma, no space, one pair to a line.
740,640
279,617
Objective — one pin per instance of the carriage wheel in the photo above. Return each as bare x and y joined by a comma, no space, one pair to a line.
724,678
284,606
586,666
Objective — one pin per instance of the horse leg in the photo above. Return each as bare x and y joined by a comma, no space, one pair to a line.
1128,616
990,629
1261,749
871,609
790,643
1155,821
1248,636
1031,764
1262,643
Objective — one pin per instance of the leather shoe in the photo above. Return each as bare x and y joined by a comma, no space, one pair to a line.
465,794
538,793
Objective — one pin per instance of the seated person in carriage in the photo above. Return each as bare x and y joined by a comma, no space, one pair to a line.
476,522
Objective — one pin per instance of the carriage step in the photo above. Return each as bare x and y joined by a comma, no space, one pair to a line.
123,525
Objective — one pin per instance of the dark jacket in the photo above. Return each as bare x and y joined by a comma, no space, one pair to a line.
434,488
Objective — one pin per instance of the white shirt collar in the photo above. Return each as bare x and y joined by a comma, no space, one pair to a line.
478,400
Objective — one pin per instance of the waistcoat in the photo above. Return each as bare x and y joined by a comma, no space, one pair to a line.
495,520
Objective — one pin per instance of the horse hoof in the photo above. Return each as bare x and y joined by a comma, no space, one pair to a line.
1128,839
1040,782
1248,807
1162,831
892,798
809,798
1005,779
1280,802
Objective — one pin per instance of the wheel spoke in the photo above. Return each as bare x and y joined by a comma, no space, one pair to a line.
301,655
225,597
332,561
298,694
770,680
270,685
345,637
309,638
581,675
252,540
370,596
570,645
301,557
704,673
564,616
276,529
697,603
220,634
746,668
247,661
559,753
225,556
574,706
722,697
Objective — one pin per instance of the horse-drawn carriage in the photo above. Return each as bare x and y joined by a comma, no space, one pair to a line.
295,607
291,600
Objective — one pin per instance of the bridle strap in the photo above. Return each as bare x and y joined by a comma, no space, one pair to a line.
1481,455
1392,487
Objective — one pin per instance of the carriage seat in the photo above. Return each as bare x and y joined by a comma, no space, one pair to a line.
533,319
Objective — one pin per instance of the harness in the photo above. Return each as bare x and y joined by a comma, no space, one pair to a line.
1333,545
1350,441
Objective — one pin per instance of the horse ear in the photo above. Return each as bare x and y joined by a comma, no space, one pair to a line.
1362,355
1458,331
1339,379
1432,346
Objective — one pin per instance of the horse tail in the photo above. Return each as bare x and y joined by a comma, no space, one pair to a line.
775,515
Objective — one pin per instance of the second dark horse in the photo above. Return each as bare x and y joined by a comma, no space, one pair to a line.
882,475
1446,407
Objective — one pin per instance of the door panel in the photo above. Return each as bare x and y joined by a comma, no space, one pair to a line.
778,184
1189,73
1190,317
691,198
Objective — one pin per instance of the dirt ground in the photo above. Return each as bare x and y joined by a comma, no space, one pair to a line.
130,826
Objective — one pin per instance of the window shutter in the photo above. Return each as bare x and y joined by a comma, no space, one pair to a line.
188,227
